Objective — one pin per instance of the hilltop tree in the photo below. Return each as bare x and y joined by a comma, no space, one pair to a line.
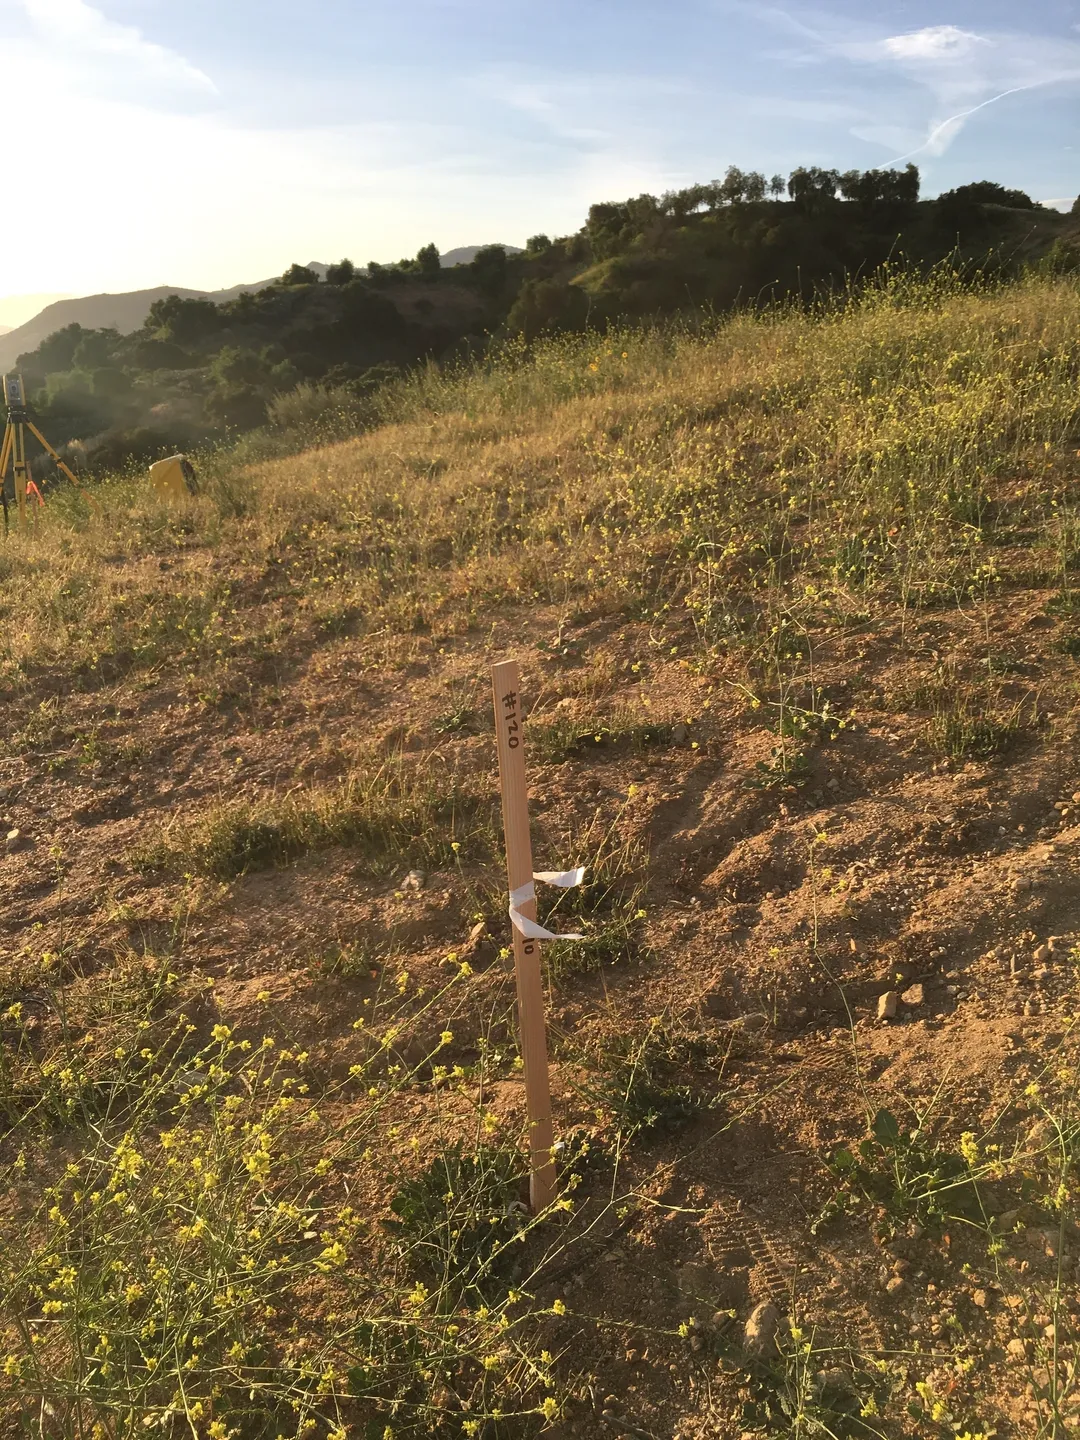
428,262
489,269
777,186
812,188
733,186
754,187
299,275
341,273
892,190
187,321
537,244
989,192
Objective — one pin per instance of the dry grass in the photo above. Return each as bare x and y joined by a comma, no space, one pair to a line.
206,1234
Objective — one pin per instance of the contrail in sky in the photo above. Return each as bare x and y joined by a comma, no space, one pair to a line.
962,115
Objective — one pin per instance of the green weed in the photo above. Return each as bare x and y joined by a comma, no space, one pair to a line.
908,1172
394,816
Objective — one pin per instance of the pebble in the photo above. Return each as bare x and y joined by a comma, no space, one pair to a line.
1076,797
414,880
759,1335
894,1284
981,1299
753,1022
914,996
1018,1349
1041,954
680,734
886,1005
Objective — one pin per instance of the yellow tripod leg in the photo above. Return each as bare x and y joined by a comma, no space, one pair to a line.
21,471
40,438
5,457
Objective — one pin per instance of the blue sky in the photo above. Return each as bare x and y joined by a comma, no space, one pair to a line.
209,142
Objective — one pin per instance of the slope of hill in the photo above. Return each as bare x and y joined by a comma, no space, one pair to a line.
320,340
466,254
125,312
795,599
128,310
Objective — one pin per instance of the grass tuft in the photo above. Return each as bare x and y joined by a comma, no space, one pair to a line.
397,815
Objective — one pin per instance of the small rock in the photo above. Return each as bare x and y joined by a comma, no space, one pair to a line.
752,1022
1017,1348
480,949
414,880
894,1284
886,1005
914,996
1076,797
759,1337
981,1299
15,841
680,734
1009,1219
1041,954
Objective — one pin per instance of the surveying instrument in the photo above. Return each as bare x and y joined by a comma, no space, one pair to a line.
13,451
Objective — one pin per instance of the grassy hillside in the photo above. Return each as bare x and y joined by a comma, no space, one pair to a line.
198,373
795,598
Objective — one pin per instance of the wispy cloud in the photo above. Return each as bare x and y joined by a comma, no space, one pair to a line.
933,43
75,30
963,72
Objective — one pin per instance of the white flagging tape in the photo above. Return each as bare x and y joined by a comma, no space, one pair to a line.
564,879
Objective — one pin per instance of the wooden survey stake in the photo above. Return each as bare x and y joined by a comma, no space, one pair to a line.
530,988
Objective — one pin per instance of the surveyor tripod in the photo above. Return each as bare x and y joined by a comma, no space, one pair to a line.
13,452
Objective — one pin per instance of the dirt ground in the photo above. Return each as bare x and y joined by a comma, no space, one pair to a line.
896,930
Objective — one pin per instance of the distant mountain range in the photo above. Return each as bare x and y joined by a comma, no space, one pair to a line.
127,312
